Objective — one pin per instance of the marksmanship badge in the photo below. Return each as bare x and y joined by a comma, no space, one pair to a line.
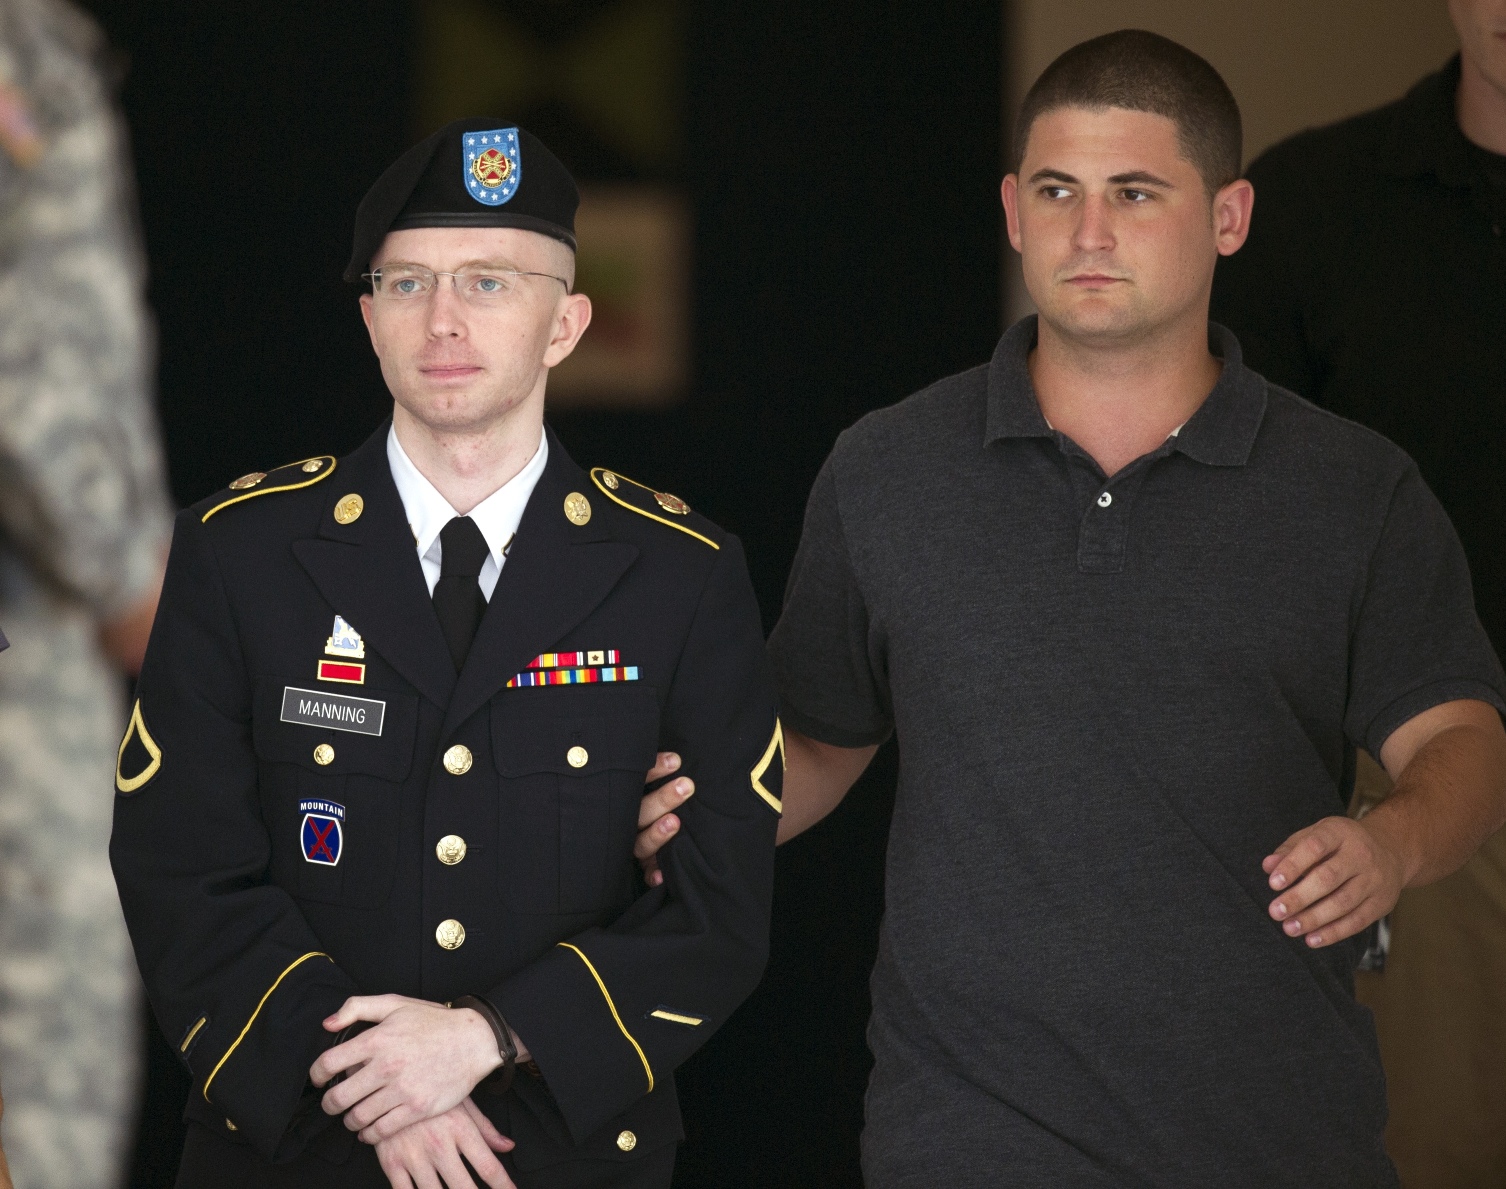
322,834
493,165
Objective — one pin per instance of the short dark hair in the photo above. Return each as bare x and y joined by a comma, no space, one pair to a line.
1144,71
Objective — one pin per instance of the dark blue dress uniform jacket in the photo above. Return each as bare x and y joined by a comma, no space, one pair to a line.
245,945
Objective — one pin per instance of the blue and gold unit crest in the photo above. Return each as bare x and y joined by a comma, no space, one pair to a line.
493,165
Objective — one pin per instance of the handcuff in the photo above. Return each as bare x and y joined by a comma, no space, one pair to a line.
499,1081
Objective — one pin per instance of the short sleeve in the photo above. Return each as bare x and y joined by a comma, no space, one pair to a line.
827,656
1417,641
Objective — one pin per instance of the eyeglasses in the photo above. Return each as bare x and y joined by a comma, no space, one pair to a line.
478,287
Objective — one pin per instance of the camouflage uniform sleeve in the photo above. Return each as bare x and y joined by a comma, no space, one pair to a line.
82,491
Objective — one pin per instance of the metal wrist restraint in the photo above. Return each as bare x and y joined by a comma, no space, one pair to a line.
500,1079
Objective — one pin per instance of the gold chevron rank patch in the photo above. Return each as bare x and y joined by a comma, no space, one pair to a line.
767,778
139,757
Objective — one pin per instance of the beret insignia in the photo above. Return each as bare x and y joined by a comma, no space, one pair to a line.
493,165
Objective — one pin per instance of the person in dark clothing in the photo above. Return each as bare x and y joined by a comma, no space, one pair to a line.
386,758
1373,282
1130,610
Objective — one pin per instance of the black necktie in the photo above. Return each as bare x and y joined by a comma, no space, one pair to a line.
458,600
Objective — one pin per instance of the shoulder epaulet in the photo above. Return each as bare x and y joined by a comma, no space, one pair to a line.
304,473
644,500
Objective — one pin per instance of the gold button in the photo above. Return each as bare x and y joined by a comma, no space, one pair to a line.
312,465
450,849
577,508
246,481
457,761
349,509
672,503
627,1141
609,479
324,754
233,1127
577,757
450,935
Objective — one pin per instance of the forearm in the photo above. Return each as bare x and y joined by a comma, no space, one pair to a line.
1448,799
816,779
124,638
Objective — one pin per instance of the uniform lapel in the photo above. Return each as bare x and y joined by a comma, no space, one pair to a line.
370,573
556,574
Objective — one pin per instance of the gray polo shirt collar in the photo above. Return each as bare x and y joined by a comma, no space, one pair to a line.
1221,433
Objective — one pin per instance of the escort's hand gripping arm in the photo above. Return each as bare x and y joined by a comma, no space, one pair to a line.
234,973
612,1011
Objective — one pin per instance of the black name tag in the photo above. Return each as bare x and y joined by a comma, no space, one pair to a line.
338,712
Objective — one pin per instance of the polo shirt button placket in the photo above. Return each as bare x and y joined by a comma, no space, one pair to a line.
1101,535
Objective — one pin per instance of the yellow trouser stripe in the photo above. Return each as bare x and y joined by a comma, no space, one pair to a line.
607,995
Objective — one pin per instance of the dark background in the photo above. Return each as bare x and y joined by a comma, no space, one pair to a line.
842,160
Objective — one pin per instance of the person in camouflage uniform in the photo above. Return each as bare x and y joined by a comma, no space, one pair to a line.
84,521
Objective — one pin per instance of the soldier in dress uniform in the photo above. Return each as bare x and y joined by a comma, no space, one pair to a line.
385,768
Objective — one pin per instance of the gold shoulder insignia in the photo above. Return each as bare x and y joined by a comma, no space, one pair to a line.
644,500
304,473
138,754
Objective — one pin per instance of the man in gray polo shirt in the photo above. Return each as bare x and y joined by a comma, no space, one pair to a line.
1130,610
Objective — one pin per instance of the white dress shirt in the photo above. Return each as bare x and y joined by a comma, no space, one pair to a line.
497,516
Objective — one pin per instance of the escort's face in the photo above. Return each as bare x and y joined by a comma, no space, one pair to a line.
1114,226
1481,25
459,366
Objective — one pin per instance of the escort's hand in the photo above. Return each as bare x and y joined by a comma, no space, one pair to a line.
419,1061
1336,877
657,823
420,1154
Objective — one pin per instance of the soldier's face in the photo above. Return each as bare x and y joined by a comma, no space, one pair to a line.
1114,226
458,359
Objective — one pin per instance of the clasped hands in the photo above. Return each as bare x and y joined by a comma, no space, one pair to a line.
409,1083
408,1089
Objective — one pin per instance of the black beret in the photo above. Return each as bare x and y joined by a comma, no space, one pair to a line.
479,172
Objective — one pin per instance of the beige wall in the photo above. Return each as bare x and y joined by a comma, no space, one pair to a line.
1292,64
